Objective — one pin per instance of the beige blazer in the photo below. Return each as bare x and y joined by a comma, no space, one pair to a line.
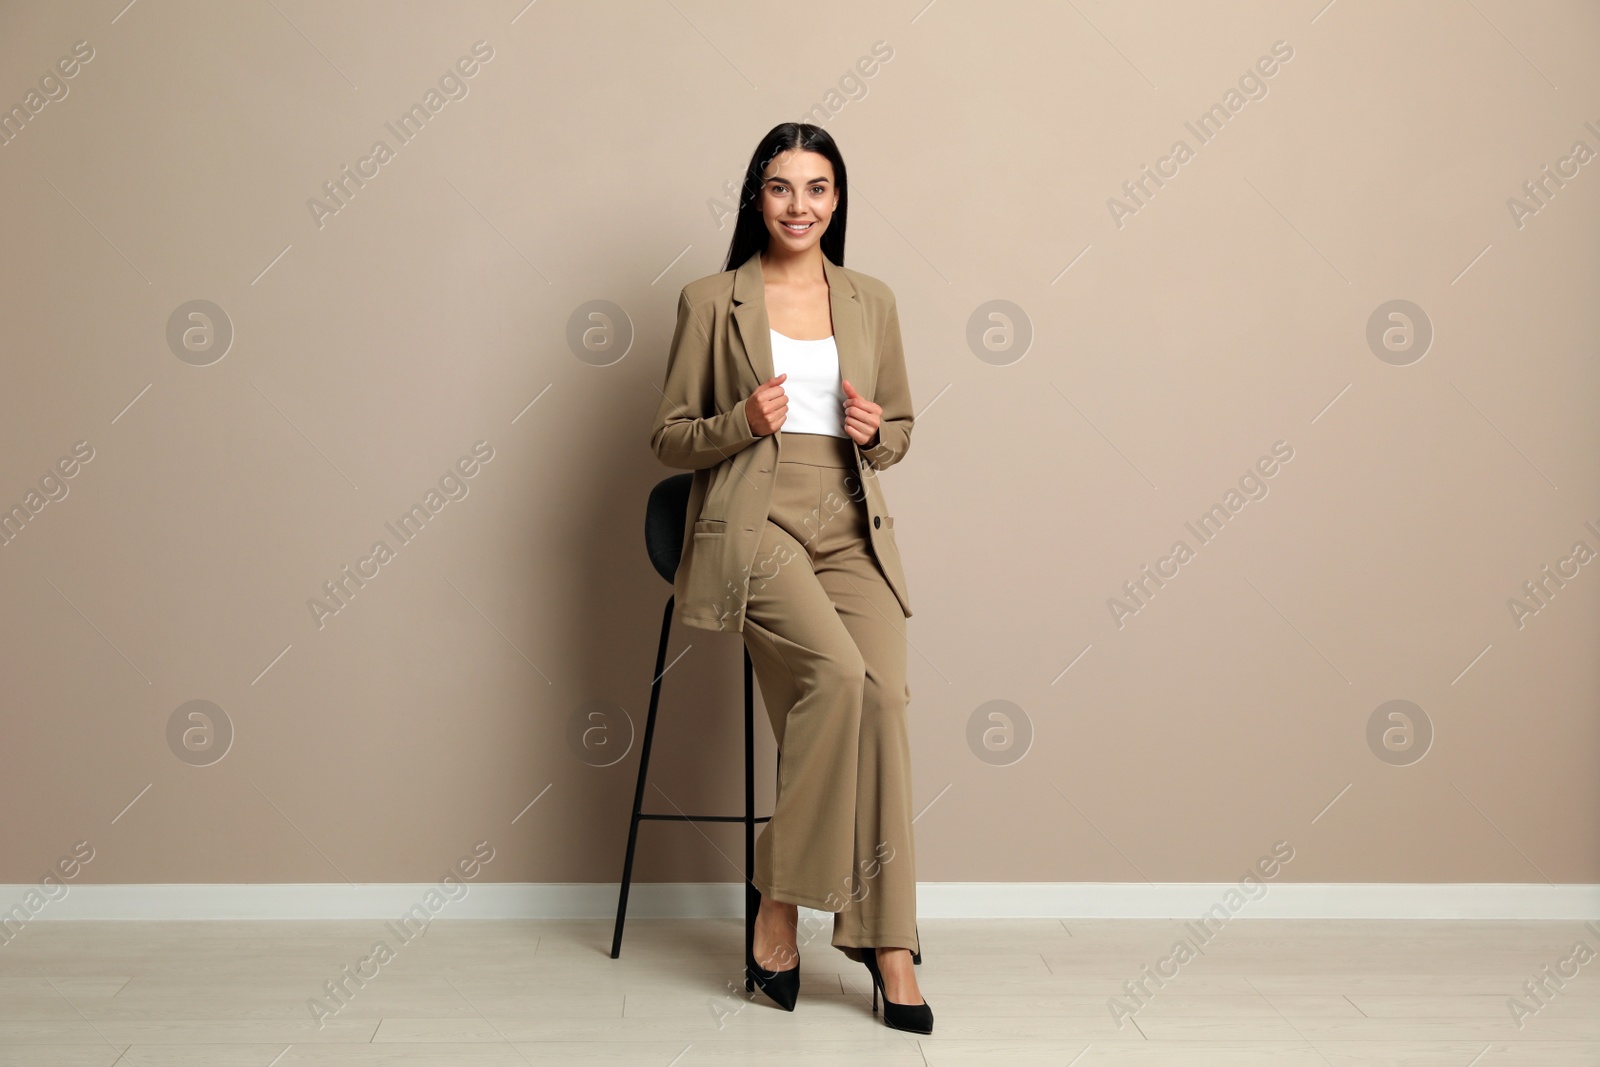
721,352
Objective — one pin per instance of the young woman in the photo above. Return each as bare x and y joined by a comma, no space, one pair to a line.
786,393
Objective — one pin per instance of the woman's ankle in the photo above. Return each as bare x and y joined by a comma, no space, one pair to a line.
771,908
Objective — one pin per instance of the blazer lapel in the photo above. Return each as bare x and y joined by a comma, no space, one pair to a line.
750,316
844,304
849,328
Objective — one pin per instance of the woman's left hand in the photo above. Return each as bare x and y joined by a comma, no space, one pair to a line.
861,417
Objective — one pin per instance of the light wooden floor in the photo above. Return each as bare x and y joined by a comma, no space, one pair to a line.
469,993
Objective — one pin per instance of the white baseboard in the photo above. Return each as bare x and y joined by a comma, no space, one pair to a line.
935,900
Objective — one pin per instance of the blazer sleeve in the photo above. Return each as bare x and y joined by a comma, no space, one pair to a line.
687,433
893,395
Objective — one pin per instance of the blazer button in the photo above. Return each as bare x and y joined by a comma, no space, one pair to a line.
877,521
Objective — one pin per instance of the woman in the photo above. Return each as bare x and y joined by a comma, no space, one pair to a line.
786,393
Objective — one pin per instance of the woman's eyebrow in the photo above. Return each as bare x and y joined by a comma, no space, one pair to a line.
813,181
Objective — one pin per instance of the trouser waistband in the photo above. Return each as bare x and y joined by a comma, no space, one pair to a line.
816,449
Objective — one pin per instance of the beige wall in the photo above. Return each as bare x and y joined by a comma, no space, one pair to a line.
1173,347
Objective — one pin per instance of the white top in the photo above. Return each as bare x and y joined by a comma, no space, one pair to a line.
815,394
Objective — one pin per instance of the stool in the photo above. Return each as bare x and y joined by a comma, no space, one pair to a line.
665,516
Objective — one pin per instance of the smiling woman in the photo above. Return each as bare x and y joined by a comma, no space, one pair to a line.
785,381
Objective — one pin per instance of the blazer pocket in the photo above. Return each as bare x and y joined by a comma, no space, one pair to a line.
710,526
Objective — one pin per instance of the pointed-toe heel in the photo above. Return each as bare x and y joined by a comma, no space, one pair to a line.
913,1018
781,987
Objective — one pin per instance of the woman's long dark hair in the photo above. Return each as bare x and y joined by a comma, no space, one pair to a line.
750,232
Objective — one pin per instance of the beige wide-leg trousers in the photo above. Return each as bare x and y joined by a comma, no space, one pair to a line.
827,644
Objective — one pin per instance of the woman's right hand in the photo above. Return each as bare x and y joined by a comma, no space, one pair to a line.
767,407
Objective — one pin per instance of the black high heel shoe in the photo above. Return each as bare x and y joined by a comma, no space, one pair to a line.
914,1018
782,987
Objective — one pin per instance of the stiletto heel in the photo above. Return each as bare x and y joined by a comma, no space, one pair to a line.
782,987
914,1018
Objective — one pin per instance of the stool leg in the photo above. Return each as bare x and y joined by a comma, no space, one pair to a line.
749,817
644,770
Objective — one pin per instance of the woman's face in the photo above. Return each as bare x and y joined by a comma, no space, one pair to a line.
797,199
